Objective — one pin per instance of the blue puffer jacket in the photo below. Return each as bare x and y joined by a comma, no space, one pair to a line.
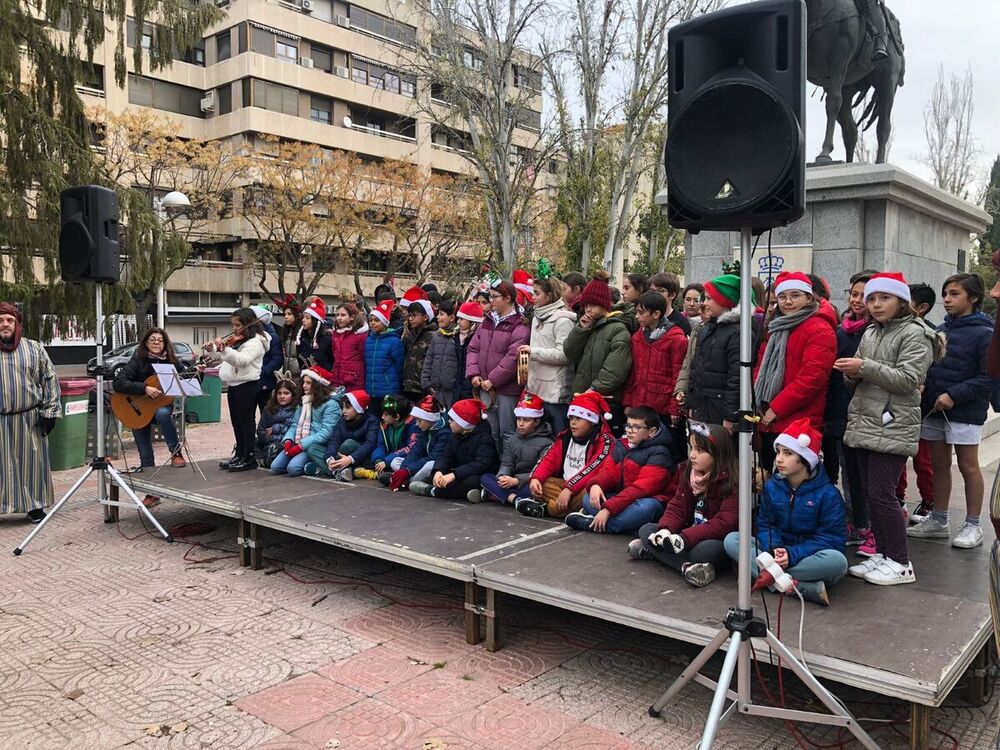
838,395
962,372
363,431
430,446
395,441
803,521
384,355
274,357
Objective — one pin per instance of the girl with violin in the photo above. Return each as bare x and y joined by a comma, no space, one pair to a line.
154,348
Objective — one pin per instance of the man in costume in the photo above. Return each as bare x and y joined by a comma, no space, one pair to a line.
29,406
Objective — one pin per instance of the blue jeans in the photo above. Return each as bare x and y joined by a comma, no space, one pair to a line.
642,511
144,437
498,493
294,466
827,565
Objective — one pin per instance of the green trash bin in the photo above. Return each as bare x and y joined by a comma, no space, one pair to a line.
68,440
207,408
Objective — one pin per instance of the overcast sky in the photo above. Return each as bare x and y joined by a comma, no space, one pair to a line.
958,33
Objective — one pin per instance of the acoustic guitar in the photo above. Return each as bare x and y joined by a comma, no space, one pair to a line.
135,412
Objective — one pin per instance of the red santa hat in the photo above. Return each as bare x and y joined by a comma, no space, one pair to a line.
359,400
468,412
428,409
471,311
591,406
383,312
523,281
316,309
530,406
789,281
413,294
319,374
802,438
889,283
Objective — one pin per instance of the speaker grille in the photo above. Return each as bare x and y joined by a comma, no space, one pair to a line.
731,147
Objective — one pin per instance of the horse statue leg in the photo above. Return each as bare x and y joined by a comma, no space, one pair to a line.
838,58
848,128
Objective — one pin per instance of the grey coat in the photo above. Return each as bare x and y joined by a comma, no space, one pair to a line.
520,454
440,362
896,359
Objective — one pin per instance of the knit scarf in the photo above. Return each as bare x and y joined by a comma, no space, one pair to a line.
305,419
698,481
543,312
852,326
771,375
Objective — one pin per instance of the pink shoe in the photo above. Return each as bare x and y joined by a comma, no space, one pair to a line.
867,548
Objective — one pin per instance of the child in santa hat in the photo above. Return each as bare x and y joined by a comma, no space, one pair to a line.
315,342
800,520
312,424
520,453
567,466
397,432
416,463
469,315
384,354
469,453
352,441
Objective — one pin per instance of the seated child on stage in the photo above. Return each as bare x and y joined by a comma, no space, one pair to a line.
520,453
569,464
353,439
305,439
398,431
275,419
689,536
801,519
417,463
629,489
469,453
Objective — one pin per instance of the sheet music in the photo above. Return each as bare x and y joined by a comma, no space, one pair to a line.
172,384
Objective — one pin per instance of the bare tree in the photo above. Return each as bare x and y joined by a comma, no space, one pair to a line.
951,149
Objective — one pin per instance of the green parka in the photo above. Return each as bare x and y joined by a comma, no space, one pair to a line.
896,359
602,355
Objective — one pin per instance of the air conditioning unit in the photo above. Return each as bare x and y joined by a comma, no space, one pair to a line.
208,102
307,6
342,71
343,21
306,62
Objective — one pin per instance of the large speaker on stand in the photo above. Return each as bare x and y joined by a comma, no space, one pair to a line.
735,151
88,234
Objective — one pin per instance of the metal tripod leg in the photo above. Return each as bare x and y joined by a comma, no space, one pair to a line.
691,672
715,713
55,509
137,502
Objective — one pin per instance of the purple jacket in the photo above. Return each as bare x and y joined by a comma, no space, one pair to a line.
493,353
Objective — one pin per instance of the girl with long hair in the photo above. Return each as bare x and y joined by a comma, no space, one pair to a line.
242,360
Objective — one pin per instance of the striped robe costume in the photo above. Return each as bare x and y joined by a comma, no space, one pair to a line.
29,390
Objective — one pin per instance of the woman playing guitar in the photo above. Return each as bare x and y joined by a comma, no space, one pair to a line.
155,348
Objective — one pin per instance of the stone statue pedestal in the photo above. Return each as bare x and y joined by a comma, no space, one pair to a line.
857,216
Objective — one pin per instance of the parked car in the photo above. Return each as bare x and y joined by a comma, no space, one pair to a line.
116,359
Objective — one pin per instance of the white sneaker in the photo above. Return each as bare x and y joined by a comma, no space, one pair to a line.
929,528
969,536
865,567
888,572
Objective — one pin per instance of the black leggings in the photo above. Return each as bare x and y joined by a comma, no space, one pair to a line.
242,400
709,551
458,489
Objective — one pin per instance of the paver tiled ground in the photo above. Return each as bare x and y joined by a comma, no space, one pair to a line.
111,638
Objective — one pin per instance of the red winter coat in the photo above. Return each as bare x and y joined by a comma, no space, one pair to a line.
656,363
722,514
634,473
349,358
811,352
550,464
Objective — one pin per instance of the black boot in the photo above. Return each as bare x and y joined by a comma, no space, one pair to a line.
881,51
243,464
224,465
36,516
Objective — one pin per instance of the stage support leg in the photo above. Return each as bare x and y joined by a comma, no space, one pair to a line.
492,621
472,612
243,542
111,511
920,726
976,689
256,549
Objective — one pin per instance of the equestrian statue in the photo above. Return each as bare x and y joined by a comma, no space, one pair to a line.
855,54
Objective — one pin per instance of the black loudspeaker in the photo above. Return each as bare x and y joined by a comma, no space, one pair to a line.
88,234
735,151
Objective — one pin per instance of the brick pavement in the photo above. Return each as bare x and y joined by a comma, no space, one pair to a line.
110,638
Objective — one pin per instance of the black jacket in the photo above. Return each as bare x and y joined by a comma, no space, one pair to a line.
962,372
322,352
838,395
274,357
462,388
469,454
714,389
131,378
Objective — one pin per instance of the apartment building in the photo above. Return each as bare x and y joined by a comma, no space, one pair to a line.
328,72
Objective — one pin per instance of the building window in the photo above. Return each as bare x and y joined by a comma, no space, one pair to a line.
372,23
391,82
170,97
322,58
275,98
223,46
92,76
202,335
286,51
359,73
320,109
408,87
225,96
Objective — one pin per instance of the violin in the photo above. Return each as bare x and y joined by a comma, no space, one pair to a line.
232,339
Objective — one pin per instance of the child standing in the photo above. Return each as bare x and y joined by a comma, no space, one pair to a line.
629,490
416,463
470,315
883,419
398,430
469,453
569,464
305,439
520,453
801,519
384,355
690,533
440,366
353,439
348,341
275,420
955,401
419,332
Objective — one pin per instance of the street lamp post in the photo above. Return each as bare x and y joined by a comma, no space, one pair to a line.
171,202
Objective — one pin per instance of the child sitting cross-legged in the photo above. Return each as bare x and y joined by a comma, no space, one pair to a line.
469,453
689,536
629,490
801,519
416,463
352,441
310,428
520,453
397,431
275,419
568,466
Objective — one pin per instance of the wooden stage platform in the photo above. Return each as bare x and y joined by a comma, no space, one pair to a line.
910,642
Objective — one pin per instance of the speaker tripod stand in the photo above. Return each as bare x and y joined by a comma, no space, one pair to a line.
100,463
740,626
